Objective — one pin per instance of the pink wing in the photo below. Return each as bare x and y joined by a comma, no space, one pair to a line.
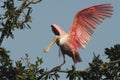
85,22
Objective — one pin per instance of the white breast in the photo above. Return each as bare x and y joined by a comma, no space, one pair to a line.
63,39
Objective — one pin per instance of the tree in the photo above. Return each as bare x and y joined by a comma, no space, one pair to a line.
18,17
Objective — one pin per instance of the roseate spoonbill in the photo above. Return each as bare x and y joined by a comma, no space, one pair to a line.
83,26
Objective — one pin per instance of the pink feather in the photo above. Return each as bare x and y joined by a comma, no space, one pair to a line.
85,22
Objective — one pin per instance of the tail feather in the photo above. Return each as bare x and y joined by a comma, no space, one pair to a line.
77,57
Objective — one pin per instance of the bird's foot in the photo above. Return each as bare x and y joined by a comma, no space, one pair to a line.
57,68
73,67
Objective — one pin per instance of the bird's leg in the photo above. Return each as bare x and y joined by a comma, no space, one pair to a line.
74,60
52,42
74,64
64,60
58,67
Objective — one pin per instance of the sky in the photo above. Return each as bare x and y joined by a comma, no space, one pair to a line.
61,12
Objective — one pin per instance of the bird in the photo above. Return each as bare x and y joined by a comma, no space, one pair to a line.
80,32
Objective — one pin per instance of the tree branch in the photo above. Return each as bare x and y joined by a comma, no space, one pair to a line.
57,69
111,62
6,26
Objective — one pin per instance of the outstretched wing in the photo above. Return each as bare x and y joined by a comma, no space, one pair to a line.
85,22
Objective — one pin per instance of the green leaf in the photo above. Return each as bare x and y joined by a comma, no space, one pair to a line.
1,29
28,26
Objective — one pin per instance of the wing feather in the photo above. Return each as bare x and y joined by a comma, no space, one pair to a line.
85,22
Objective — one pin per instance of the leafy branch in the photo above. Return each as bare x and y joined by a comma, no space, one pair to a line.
15,17
97,68
73,74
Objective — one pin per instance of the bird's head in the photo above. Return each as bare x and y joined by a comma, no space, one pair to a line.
57,30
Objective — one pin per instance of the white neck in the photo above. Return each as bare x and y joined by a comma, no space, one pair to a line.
63,39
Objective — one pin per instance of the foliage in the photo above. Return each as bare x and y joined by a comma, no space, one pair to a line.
25,70
97,70
18,17
14,17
